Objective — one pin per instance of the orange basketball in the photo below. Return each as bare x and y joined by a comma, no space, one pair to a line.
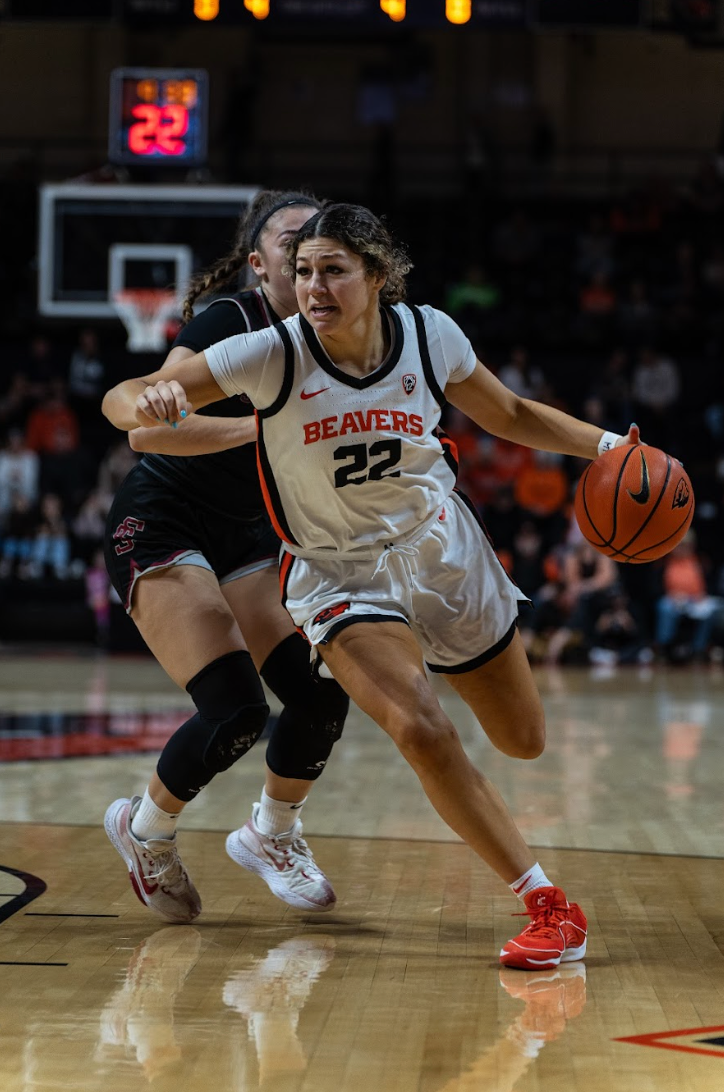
634,503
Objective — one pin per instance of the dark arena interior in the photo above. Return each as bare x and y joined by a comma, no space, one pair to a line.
554,170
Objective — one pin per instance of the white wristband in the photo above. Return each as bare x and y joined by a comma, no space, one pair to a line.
607,441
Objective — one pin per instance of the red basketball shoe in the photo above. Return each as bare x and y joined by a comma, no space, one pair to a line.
557,933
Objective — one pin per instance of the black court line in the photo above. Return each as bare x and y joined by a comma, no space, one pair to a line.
28,963
60,914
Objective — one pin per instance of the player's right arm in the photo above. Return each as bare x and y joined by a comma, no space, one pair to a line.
200,435
165,396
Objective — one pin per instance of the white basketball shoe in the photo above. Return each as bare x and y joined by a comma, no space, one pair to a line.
285,862
157,875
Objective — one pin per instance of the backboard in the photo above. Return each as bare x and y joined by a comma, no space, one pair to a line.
97,240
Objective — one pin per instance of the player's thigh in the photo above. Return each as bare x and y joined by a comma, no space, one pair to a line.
505,699
380,666
184,619
255,601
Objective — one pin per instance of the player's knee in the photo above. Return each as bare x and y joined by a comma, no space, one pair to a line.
424,736
313,717
233,711
528,742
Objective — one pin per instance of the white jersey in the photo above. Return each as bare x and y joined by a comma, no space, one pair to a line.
347,462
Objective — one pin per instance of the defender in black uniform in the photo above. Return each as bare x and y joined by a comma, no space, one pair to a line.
192,554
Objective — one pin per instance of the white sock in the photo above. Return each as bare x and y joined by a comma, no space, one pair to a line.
276,816
150,822
531,880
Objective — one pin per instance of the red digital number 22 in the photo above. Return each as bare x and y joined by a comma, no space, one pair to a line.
159,129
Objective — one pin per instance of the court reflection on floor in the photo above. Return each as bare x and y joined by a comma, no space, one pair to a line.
161,1028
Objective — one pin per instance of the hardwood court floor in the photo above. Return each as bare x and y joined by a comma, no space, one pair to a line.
398,989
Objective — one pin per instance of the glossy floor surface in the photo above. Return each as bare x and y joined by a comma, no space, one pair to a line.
398,989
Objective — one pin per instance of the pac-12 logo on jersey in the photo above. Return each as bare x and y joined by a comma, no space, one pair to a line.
328,613
408,383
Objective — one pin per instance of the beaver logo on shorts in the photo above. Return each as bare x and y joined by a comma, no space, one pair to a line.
328,613
408,383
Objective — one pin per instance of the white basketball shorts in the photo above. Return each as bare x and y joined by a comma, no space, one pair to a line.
447,585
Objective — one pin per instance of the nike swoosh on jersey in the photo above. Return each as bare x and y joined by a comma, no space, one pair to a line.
645,491
304,395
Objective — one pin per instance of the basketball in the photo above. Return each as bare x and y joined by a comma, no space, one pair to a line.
634,503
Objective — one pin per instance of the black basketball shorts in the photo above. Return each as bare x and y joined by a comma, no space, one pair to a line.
152,526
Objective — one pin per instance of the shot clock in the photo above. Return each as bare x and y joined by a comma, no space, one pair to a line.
158,116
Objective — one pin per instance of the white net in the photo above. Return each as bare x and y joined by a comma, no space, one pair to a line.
145,312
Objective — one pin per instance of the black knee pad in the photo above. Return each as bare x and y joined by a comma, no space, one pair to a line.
313,716
232,712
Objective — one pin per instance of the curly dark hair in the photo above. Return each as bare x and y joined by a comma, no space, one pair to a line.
251,228
363,233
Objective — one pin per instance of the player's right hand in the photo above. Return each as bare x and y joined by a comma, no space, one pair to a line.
163,403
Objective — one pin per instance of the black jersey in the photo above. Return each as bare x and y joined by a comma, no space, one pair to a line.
224,481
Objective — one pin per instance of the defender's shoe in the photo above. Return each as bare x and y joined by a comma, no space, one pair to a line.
157,875
284,862
557,933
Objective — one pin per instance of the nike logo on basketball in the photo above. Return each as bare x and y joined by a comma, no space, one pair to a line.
645,491
304,395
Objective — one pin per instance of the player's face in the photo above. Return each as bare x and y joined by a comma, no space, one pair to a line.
333,287
269,260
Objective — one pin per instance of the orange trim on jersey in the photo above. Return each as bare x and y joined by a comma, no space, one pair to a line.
285,566
265,492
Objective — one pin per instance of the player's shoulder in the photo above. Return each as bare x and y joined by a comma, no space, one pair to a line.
433,318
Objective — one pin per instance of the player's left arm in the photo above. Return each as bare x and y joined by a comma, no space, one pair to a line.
485,400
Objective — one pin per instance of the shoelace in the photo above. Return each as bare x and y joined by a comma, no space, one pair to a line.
295,853
169,869
546,919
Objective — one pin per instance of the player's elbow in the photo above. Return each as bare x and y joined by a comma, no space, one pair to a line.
135,439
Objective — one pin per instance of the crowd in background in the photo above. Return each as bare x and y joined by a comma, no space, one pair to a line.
612,312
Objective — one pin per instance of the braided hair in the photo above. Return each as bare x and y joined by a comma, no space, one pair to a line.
251,226
364,234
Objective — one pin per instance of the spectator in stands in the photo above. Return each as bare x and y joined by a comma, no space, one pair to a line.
611,387
50,550
532,568
596,309
474,302
41,365
617,634
594,250
655,387
16,403
19,473
89,525
87,381
502,518
97,590
16,539
681,294
541,489
588,578
637,320
685,600
118,462
522,377
53,432
516,245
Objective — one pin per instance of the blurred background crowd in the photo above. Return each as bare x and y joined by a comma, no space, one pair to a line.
612,312
559,197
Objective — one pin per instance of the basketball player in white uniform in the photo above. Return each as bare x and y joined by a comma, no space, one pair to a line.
384,564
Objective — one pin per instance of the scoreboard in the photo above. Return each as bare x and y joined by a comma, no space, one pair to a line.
158,116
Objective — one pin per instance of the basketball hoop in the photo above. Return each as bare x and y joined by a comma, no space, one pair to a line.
145,313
